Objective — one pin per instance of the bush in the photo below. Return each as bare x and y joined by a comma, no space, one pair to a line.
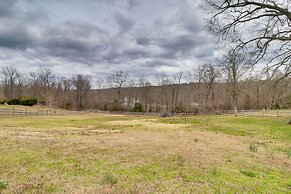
104,107
180,108
115,106
68,106
277,106
138,107
21,101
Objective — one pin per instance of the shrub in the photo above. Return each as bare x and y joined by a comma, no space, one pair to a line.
138,107
104,107
21,101
180,108
68,106
277,106
115,106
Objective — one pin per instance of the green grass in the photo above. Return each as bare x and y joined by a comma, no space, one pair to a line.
262,127
138,154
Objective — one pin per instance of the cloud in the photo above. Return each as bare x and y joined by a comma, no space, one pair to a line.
15,36
124,23
130,41
6,7
134,3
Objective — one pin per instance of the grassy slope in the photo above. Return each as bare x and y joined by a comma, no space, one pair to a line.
137,154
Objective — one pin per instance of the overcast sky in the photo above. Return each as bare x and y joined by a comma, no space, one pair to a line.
100,37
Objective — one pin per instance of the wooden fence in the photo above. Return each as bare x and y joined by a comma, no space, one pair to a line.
12,111
270,113
17,111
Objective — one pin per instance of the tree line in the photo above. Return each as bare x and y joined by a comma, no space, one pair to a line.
228,84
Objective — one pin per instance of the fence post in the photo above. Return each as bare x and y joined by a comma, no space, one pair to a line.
37,112
12,111
277,112
47,112
25,112
55,112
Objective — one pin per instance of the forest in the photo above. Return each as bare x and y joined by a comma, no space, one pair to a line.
207,88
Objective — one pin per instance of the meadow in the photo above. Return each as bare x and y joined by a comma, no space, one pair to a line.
110,153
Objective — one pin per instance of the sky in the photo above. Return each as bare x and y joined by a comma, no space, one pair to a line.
100,37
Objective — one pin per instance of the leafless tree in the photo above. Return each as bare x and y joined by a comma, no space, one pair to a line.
10,77
262,27
175,90
209,76
145,94
117,80
164,82
131,97
47,80
66,84
235,66
100,86
34,84
277,86
82,86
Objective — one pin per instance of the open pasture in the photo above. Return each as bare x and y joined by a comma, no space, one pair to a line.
106,153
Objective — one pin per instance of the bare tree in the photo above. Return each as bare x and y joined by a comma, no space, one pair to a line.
260,26
34,85
82,86
209,77
194,80
276,86
10,76
175,90
63,93
146,88
100,86
235,66
164,82
47,80
117,80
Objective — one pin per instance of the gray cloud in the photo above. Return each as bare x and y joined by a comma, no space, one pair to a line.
15,37
125,24
6,7
149,43
135,3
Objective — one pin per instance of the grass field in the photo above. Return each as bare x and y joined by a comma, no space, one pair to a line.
100,153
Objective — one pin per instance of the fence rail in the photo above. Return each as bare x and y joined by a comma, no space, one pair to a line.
12,111
271,113
16,111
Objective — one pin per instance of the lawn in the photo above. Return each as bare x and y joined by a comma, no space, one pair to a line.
107,153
